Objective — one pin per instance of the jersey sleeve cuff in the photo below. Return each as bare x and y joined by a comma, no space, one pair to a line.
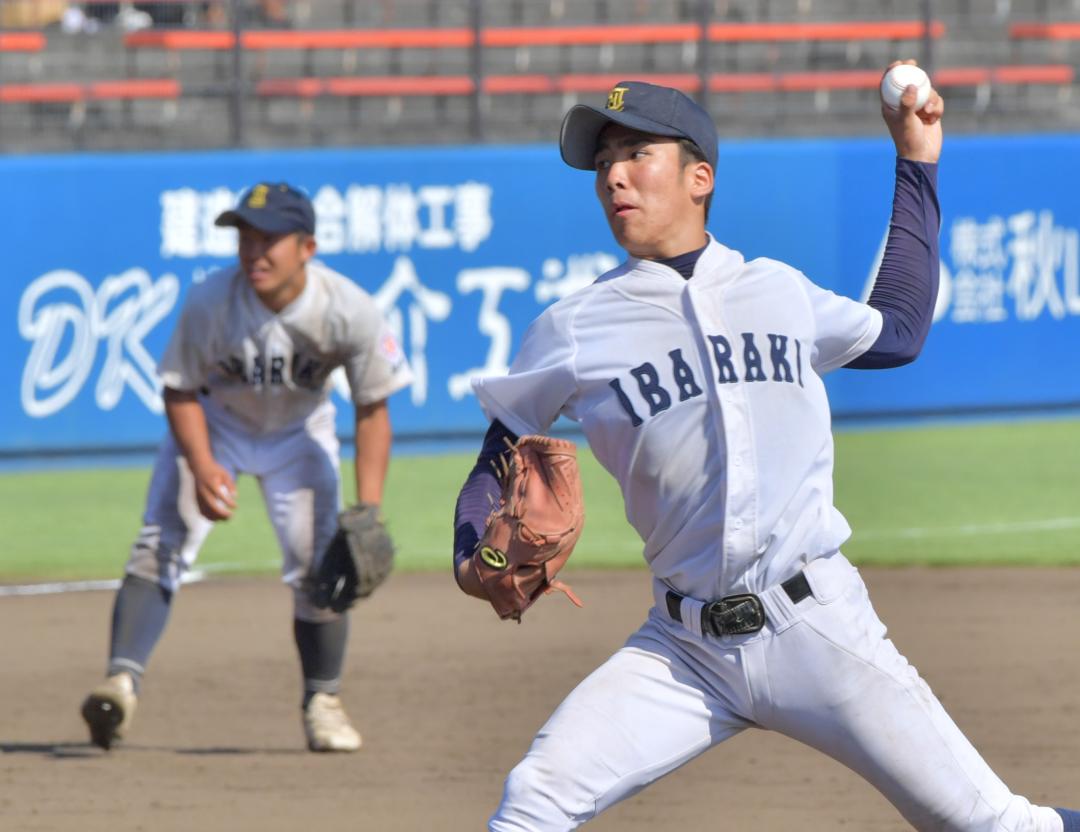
494,410
865,342
868,338
176,381
384,391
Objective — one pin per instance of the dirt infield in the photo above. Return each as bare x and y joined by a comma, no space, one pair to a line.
448,698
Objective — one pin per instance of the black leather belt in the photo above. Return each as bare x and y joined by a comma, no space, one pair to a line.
737,614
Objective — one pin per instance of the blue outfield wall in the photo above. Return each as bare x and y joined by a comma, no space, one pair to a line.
463,246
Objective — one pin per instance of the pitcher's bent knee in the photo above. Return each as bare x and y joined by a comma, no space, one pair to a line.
537,797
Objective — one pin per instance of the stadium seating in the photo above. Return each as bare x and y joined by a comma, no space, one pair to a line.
422,70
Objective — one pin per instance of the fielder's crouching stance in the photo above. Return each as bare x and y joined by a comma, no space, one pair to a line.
247,383
697,379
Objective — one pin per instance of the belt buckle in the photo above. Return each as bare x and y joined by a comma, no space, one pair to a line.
735,615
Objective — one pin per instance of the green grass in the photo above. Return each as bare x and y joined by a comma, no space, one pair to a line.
964,494
79,523
987,493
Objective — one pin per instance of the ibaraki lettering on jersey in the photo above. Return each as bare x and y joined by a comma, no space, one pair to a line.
233,368
783,365
305,371
268,372
302,371
779,352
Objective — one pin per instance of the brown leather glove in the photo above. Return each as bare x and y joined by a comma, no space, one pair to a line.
533,530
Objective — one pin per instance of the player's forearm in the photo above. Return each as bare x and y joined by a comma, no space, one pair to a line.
477,497
373,439
906,286
474,503
187,421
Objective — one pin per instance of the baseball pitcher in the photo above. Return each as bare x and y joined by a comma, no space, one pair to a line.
697,377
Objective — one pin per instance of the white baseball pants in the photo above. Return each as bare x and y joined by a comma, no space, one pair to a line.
297,470
821,672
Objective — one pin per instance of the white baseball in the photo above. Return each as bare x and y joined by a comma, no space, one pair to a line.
898,79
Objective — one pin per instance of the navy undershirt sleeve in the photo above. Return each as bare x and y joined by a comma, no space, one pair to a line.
906,286
480,493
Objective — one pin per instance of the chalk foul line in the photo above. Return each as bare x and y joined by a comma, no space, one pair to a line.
970,529
193,576
911,533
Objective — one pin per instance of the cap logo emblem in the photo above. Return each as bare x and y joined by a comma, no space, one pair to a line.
258,196
615,98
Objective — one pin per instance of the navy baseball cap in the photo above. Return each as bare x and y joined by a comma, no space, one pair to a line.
661,111
273,207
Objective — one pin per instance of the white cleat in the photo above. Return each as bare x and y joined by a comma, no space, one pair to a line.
109,708
327,726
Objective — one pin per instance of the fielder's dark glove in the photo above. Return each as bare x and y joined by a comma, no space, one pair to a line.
358,559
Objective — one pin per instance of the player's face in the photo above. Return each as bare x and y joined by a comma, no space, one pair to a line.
653,202
274,264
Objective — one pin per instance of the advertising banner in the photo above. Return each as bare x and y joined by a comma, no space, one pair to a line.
462,247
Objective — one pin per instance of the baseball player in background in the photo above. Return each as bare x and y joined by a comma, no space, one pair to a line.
696,376
247,382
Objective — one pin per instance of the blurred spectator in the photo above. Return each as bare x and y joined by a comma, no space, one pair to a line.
31,14
270,13
165,14
101,12
130,16
124,15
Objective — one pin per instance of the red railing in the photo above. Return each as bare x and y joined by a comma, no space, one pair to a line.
532,36
442,85
1045,31
160,88
22,42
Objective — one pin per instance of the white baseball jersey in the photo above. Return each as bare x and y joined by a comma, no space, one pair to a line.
272,370
704,399
265,384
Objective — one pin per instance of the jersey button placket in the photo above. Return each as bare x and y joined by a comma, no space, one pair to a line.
729,422
735,481
740,490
